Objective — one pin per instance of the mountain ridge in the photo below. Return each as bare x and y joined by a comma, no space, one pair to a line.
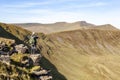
62,26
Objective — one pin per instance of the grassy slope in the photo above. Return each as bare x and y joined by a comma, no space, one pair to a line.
13,32
86,54
18,34
89,54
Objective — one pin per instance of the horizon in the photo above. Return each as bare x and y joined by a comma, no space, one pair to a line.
52,11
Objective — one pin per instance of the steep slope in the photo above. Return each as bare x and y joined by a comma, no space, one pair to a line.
13,32
90,54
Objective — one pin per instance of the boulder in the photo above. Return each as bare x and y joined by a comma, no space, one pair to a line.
41,72
21,48
36,59
26,61
45,77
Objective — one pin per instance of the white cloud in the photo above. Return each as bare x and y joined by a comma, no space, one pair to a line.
32,4
26,4
86,5
17,13
100,4
51,17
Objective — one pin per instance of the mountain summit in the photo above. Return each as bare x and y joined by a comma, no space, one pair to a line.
62,26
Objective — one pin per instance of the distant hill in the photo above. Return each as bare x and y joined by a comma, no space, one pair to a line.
55,27
105,27
61,26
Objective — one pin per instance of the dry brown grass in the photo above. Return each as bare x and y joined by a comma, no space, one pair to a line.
13,32
90,54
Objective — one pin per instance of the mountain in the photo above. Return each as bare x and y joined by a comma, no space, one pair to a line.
55,27
60,26
13,34
90,54
106,27
82,54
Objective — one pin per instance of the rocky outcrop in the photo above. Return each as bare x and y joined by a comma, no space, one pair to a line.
21,48
8,52
36,58
42,74
26,61
5,59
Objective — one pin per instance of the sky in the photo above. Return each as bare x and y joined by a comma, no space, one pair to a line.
50,11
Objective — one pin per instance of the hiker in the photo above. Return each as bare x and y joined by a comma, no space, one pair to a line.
33,42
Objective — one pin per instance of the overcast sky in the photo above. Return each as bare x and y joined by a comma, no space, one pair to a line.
50,11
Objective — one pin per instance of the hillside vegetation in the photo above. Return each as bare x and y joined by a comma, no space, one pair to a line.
86,54
83,54
13,32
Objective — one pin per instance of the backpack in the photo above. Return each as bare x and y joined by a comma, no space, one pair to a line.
31,41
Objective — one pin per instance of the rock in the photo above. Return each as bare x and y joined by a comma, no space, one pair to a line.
43,74
5,59
26,61
6,48
2,52
36,58
21,48
45,77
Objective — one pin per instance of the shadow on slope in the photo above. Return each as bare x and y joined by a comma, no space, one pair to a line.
13,32
55,73
5,34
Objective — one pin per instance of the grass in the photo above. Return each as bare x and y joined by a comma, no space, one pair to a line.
86,54
89,54
18,56
13,72
13,32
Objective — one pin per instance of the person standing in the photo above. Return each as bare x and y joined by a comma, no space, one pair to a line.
33,42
